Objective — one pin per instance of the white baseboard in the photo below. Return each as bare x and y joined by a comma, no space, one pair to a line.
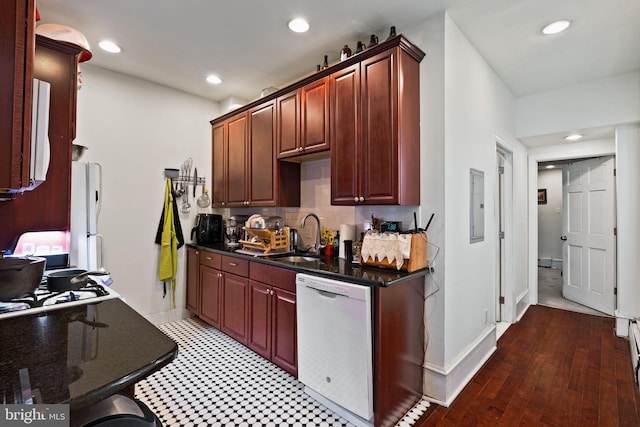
169,316
442,385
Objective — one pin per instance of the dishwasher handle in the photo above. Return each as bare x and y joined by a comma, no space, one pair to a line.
325,293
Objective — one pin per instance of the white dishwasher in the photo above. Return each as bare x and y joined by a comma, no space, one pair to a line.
334,342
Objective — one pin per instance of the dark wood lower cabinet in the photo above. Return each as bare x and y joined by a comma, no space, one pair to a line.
255,304
193,280
272,315
260,315
234,307
284,352
211,286
398,349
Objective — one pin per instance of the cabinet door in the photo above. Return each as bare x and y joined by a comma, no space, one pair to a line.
288,124
236,151
259,339
379,139
218,166
262,159
345,132
57,63
211,284
193,272
234,307
284,351
315,117
17,21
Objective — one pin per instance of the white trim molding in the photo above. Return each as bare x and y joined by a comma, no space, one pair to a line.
442,385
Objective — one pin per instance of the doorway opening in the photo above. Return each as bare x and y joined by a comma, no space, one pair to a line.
575,248
504,264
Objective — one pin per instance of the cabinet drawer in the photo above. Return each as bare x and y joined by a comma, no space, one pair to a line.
275,276
210,259
236,266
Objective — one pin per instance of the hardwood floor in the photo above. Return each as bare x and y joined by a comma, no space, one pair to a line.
555,368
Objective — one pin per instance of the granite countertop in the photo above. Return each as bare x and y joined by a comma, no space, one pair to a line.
81,354
329,267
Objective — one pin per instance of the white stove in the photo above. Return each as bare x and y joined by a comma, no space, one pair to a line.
42,299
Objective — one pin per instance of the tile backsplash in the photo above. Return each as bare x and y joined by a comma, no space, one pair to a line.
315,197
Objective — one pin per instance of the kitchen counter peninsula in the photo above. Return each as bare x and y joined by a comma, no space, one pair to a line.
82,354
329,267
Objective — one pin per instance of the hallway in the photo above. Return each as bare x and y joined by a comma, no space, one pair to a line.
550,292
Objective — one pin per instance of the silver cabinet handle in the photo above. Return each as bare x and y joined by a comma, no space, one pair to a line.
361,199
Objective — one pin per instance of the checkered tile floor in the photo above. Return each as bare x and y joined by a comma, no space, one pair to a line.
216,381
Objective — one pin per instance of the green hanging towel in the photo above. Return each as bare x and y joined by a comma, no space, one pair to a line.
168,266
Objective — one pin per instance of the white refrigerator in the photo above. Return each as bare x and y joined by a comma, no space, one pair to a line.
86,199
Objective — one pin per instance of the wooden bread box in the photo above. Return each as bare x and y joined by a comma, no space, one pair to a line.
416,261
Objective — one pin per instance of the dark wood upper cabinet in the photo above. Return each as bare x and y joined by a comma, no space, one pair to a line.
375,129
345,131
244,149
303,121
57,63
17,47
262,156
363,112
236,153
288,124
218,165
315,117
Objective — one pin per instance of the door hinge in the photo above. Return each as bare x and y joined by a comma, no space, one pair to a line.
615,231
501,170
501,300
615,291
501,235
614,171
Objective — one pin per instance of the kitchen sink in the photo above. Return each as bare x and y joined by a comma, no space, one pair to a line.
297,258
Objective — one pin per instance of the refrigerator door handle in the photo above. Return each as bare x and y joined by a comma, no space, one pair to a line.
99,191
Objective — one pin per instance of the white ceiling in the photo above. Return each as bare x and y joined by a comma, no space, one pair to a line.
247,42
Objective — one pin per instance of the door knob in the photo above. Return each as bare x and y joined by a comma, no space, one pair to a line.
563,237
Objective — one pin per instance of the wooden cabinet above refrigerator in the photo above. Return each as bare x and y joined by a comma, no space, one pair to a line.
47,206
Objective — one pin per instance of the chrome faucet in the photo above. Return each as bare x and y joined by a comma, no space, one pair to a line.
317,245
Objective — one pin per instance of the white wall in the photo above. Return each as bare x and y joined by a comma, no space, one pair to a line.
604,102
550,214
135,129
464,108
628,208
477,106
430,38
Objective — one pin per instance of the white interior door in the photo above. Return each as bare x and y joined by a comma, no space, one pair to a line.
588,230
500,160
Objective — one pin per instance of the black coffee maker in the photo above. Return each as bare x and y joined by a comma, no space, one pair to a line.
208,229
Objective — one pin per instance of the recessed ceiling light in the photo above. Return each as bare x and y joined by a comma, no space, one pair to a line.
213,79
550,167
573,137
299,25
109,46
556,27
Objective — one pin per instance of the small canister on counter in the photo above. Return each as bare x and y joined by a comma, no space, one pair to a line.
348,250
